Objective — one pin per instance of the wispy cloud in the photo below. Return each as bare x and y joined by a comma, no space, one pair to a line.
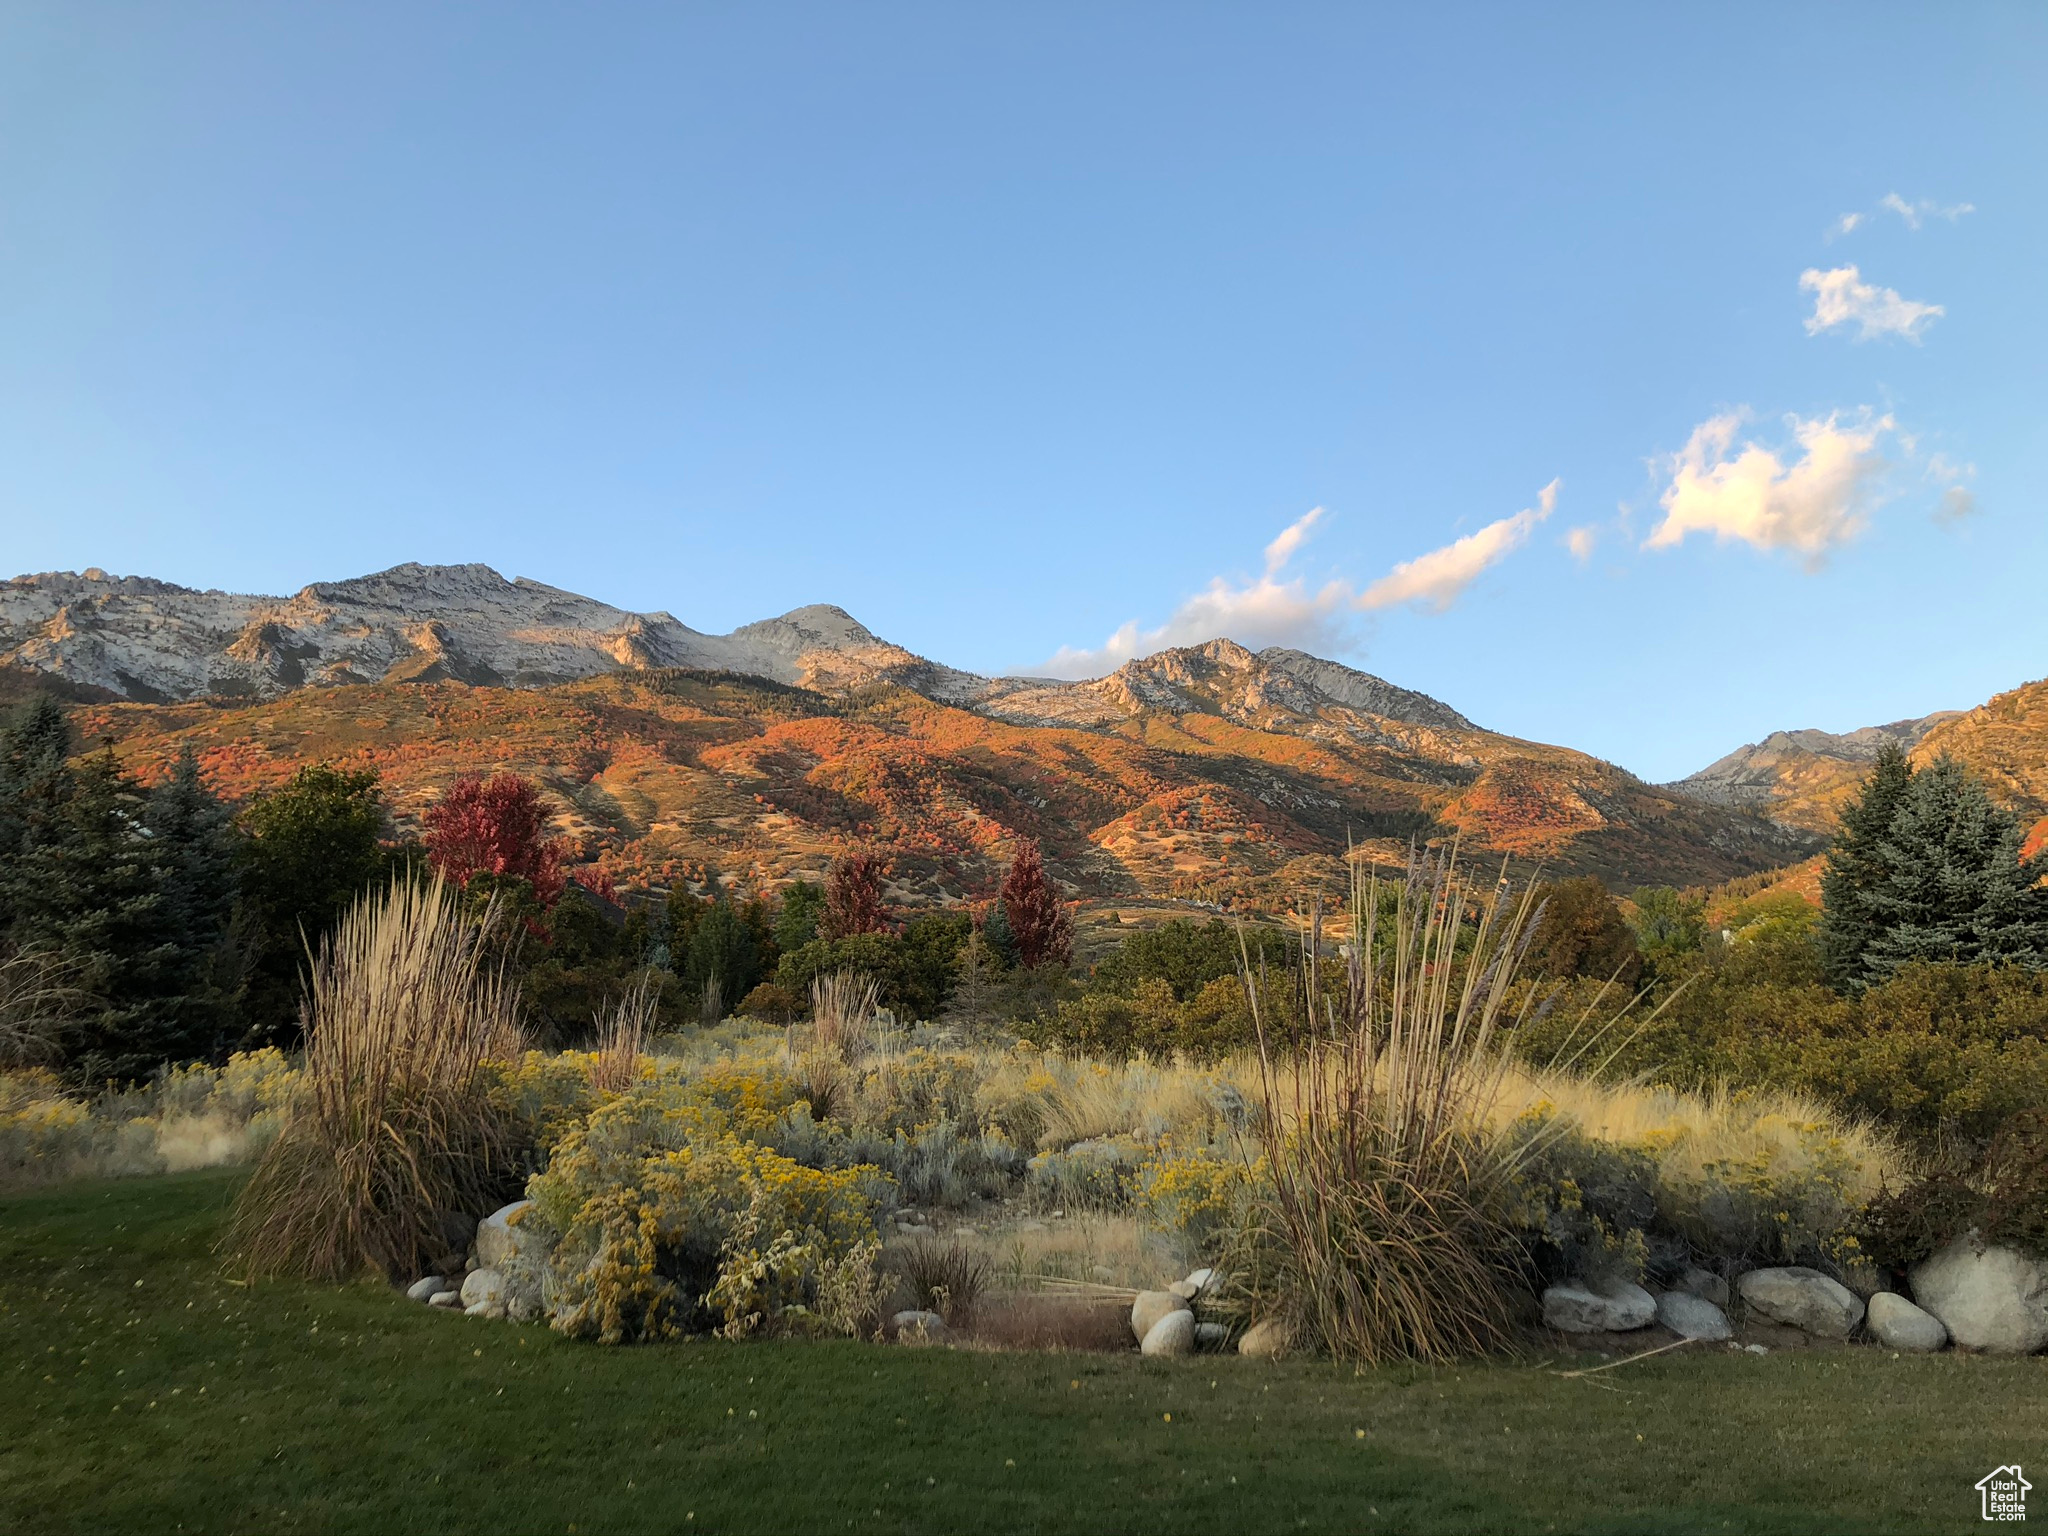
1580,542
1276,608
1807,500
1841,297
1273,609
1958,502
1845,225
1436,579
1915,214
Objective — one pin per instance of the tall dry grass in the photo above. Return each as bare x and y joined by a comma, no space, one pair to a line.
396,1129
1383,1233
39,999
843,1014
622,1036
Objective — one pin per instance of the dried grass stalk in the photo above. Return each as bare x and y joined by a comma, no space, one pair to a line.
843,1014
39,1000
396,1128
621,1034
1383,1233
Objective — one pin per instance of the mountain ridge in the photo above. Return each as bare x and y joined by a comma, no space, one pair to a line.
1205,768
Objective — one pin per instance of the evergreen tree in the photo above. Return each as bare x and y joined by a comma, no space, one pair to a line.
314,845
722,950
1002,943
796,921
85,884
1952,885
193,836
1856,865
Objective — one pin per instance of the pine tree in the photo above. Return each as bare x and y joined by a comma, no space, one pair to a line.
1856,864
1953,885
195,845
1044,931
1002,943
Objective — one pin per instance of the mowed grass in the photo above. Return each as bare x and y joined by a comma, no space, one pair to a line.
142,1391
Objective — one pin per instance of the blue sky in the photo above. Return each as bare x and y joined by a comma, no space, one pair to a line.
1015,328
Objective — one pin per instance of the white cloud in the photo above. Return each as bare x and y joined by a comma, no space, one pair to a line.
1580,542
1916,213
1845,225
1278,609
1436,579
1809,502
1271,610
1841,297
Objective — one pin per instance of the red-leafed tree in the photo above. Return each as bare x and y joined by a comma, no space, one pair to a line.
853,897
1039,921
495,826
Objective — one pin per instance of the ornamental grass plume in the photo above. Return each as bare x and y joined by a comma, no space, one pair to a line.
1383,1231
621,1034
843,1014
397,1127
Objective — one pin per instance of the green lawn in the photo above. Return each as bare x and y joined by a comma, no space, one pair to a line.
144,1392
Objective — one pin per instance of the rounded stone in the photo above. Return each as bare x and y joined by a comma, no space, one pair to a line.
1173,1334
483,1287
1617,1307
426,1288
1802,1298
1897,1324
919,1327
1989,1298
1150,1307
1266,1340
1692,1317
510,1232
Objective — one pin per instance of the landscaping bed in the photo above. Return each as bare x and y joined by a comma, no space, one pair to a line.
145,1390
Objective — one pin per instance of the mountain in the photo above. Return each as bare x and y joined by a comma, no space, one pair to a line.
1800,778
136,638
1207,772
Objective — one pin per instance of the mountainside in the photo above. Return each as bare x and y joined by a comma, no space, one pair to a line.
1206,772
149,640
1801,777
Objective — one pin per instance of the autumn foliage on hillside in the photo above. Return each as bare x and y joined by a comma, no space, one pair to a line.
495,826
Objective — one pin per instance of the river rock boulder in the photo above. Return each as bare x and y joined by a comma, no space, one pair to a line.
483,1287
1692,1317
1988,1297
1616,1307
1267,1339
1897,1324
920,1327
1150,1307
1802,1298
1173,1334
511,1232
